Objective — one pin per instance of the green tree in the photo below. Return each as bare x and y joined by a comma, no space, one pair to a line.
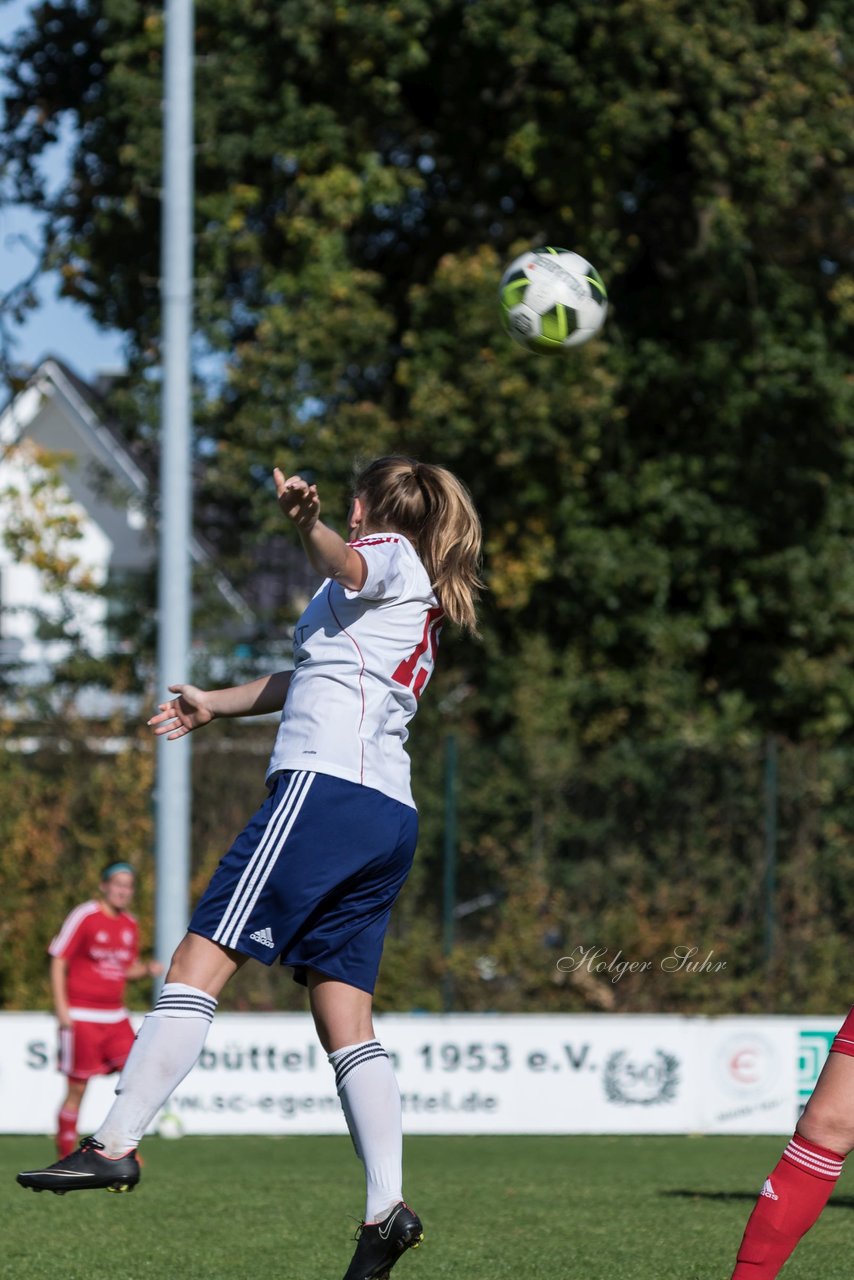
677,492
80,801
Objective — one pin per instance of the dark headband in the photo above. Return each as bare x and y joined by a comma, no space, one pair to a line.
114,868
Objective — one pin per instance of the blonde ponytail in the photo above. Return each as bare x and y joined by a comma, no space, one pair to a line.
431,507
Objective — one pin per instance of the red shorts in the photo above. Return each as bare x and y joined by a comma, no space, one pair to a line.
844,1042
94,1048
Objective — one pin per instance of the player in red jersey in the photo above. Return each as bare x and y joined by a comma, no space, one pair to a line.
92,957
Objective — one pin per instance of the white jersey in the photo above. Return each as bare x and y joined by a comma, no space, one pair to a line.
361,662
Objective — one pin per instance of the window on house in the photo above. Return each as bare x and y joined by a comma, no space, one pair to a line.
10,645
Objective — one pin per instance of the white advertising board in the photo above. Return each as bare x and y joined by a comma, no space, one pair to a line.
465,1073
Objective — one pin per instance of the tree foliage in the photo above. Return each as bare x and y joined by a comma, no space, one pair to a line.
67,810
668,513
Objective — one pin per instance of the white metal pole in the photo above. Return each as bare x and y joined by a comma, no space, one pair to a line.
172,818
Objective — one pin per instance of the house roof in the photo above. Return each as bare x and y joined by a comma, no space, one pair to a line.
89,411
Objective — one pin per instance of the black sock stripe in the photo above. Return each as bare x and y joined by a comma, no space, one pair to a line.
356,1055
183,1003
355,1051
190,1005
182,997
342,1074
186,1004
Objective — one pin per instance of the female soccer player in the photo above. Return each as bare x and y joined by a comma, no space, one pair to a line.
91,959
312,878
796,1191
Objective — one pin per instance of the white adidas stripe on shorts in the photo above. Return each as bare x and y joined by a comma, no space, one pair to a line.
260,865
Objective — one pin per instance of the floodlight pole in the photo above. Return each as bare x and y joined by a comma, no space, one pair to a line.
174,595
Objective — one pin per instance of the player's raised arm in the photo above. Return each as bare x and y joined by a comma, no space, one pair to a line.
327,551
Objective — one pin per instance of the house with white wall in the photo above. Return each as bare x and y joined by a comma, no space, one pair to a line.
72,520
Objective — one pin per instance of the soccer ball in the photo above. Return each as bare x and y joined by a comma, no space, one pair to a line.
169,1125
552,299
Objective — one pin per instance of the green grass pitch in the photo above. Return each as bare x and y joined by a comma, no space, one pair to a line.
529,1208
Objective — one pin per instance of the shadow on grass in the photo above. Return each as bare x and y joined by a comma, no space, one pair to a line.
749,1197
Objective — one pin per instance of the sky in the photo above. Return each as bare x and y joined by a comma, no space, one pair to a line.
58,326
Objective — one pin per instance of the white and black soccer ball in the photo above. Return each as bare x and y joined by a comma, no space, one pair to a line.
552,300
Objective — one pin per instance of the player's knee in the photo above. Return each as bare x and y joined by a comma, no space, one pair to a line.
181,966
198,962
76,1089
173,972
828,1124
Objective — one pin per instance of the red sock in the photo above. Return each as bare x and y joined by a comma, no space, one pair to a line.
66,1133
790,1202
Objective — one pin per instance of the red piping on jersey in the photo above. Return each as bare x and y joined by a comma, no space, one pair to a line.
345,632
372,541
59,945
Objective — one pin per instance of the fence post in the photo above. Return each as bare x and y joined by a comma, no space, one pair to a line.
771,804
449,889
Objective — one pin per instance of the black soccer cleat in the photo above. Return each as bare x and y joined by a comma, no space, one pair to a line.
381,1243
85,1169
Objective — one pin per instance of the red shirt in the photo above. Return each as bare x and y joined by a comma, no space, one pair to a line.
98,949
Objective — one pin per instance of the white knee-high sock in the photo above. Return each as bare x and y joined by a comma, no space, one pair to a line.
371,1102
165,1050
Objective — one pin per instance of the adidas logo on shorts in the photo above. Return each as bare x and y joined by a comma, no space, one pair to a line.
264,936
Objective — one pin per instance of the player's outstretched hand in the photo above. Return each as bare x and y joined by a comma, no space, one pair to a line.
183,714
298,500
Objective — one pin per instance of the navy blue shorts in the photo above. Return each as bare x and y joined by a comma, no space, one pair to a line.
312,878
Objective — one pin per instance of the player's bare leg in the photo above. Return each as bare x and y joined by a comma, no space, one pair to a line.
370,1099
165,1050
66,1129
342,1014
828,1117
796,1191
203,964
